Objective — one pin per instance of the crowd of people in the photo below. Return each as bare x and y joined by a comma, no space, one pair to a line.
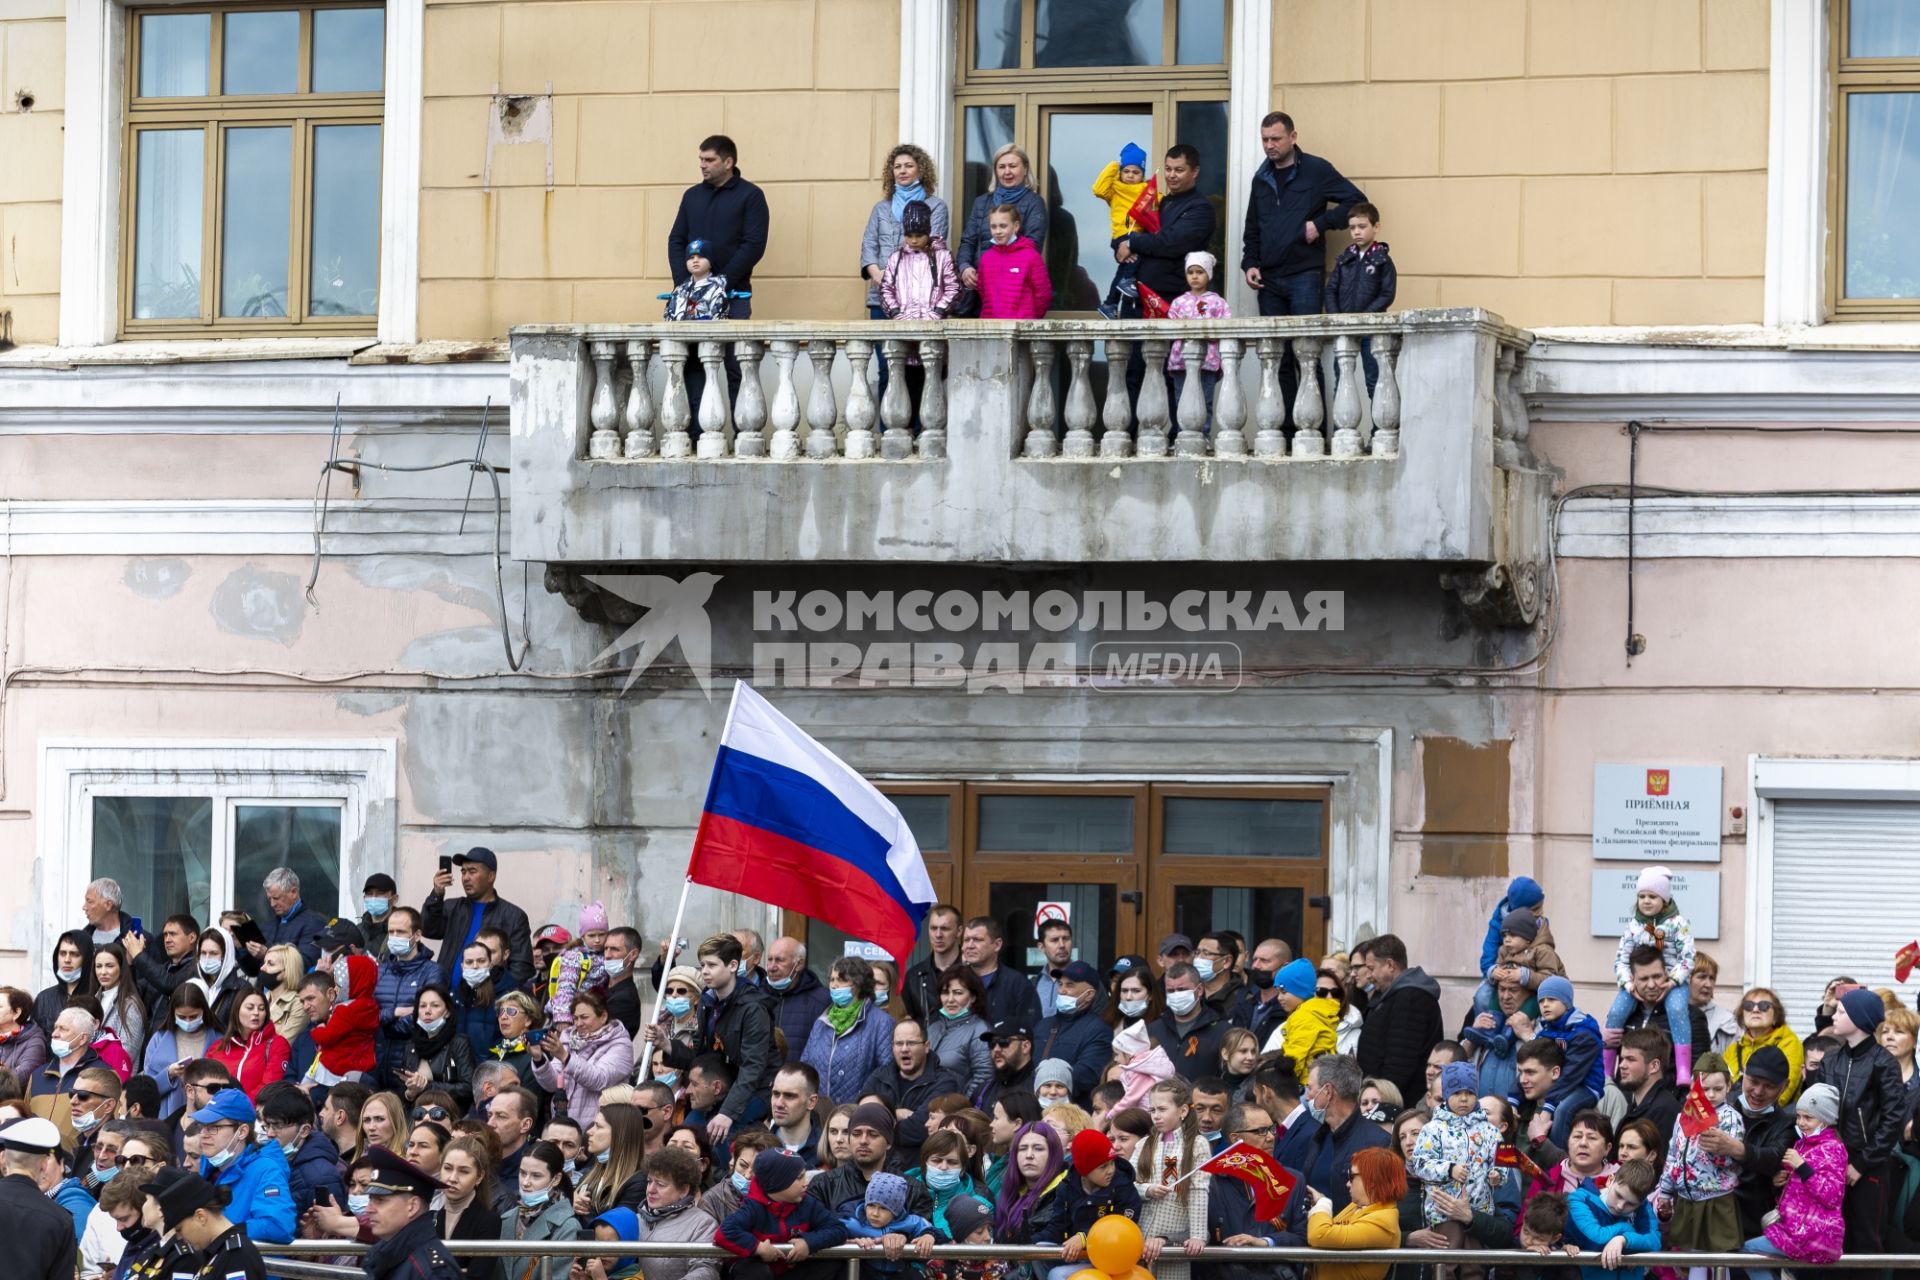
442,1073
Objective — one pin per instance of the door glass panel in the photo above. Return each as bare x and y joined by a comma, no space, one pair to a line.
1255,913
1883,186
261,54
1201,38
166,224
1090,911
996,34
160,850
349,48
1079,225
257,213
1230,828
1097,33
1204,126
927,818
174,52
1056,824
825,944
988,129
346,220
305,838
1883,29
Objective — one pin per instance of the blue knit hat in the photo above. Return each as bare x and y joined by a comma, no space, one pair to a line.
1557,988
889,1191
1523,891
1862,1006
1133,154
1458,1077
1297,979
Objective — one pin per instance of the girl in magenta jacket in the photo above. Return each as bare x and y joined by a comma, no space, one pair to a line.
1809,1227
1013,277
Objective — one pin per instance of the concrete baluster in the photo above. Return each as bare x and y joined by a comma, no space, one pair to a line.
896,406
1081,413
933,400
822,412
1116,415
1230,405
785,445
1309,411
861,412
750,409
605,442
675,414
1041,441
639,415
1152,409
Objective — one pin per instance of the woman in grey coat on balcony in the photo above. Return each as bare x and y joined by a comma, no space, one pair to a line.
909,175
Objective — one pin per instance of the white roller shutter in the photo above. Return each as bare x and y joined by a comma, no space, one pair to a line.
1846,876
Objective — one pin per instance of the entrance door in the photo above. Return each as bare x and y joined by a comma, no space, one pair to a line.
1078,145
1033,845
1250,860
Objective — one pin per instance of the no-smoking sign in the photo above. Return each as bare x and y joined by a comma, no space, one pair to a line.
1050,911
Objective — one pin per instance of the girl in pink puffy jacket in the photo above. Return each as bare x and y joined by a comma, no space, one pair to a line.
1809,1227
1013,277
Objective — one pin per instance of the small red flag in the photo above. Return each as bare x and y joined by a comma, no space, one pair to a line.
1145,210
1698,1115
1905,961
1152,305
1512,1157
1271,1183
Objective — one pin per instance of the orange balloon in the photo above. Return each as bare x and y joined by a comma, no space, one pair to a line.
1114,1244
1089,1273
1139,1273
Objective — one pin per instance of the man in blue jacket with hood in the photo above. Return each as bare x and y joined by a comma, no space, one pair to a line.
1074,1030
254,1173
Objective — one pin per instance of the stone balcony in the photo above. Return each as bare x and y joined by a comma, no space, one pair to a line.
1026,453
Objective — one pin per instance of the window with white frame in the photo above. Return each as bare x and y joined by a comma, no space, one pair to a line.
195,828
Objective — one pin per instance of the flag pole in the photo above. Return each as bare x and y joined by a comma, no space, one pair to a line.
666,966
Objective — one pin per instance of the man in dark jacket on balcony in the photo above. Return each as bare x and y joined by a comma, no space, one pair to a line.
728,215
1288,212
1186,226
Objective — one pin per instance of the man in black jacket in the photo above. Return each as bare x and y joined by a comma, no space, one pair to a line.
462,921
1230,1219
1010,996
1403,1023
158,971
1872,1111
1642,1076
923,979
911,1080
1014,1065
1282,252
729,216
1190,1030
1186,226
1769,1132
736,1023
1649,984
870,1133
795,993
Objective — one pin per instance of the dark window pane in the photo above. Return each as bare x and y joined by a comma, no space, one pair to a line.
1056,824
1204,126
1097,33
825,944
305,838
262,53
346,220
1883,189
996,34
257,213
1251,828
174,52
1079,225
1090,908
927,818
1201,38
1256,913
160,850
349,50
1883,29
988,129
166,224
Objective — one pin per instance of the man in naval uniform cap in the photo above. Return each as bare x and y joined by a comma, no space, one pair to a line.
399,1203
39,1233
195,1209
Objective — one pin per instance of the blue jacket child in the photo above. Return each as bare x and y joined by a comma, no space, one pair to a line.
1594,1221
1522,891
777,1211
885,1213
1579,1036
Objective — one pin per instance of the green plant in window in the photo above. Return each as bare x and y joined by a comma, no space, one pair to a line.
170,298
335,293
261,297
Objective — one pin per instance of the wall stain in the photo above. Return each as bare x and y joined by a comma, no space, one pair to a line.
157,578
261,605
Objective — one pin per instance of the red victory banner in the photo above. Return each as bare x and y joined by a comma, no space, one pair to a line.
1271,1184
1698,1115
1905,960
1145,210
1512,1157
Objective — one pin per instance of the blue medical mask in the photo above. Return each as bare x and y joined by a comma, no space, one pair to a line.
678,1006
1065,1004
103,1175
954,1015
780,984
603,1157
1203,967
220,1159
398,946
431,1025
357,1204
376,907
668,1078
943,1179
59,1048
534,1199
1213,1136
741,970
740,1182
841,996
879,995
67,975
474,977
83,1123
1182,1002
189,1025
209,965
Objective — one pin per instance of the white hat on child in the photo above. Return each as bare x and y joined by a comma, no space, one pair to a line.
1201,258
1131,1039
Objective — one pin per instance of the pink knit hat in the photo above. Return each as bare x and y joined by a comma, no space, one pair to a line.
1656,880
593,917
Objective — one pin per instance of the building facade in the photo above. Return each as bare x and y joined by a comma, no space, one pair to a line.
308,562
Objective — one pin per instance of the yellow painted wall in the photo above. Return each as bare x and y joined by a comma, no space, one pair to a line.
806,88
1561,162
32,61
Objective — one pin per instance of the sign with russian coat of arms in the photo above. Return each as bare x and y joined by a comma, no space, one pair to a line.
1657,812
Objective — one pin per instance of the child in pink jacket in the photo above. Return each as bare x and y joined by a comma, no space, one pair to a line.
1013,277
1809,1228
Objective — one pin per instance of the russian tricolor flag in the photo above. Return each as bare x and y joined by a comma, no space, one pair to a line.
788,822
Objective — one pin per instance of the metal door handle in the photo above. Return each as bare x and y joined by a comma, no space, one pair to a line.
1131,897
1323,902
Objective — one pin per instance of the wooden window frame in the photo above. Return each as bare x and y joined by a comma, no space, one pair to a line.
215,114
1847,77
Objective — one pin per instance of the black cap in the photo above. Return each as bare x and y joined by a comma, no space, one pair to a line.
379,882
1010,1027
479,854
393,1176
342,933
1769,1064
966,1214
1081,971
179,1193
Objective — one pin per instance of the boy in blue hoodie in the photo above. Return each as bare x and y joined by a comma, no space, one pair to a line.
1582,1080
778,1228
1522,892
884,1213
1615,1221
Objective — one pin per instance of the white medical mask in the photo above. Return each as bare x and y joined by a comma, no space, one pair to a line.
779,984
474,977
1182,1002
615,968
68,975
1065,1004
357,1204
431,1025
59,1048
83,1123
1133,1008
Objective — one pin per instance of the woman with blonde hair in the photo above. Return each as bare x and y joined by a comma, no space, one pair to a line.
1012,184
1763,1021
616,1145
280,973
383,1123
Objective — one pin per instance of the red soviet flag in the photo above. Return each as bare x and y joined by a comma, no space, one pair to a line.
1271,1184
1905,961
1144,213
1512,1157
1698,1115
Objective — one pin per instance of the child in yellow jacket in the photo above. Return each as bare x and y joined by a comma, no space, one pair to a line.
1120,185
1312,1025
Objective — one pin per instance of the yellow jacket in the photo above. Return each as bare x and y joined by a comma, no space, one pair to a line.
1119,197
1374,1226
1311,1030
1780,1038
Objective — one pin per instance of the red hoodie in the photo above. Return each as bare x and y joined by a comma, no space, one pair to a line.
1013,282
345,1039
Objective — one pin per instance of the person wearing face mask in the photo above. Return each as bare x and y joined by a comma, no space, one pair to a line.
476,988
1215,960
852,1037
280,974
406,965
216,973
93,1101
797,994
1075,1028
72,975
377,898
435,1055
1190,1029
544,1209
254,1173
71,1051
313,1162
617,958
